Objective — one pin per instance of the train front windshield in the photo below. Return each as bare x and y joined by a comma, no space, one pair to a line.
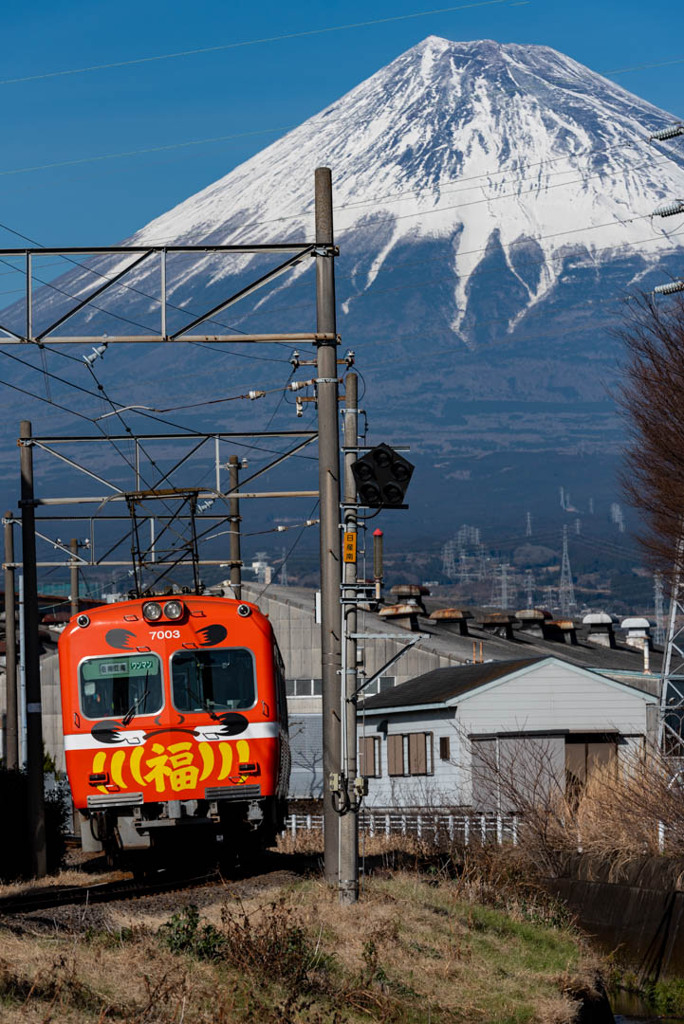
121,685
216,680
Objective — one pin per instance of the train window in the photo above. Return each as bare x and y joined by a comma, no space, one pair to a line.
218,680
127,684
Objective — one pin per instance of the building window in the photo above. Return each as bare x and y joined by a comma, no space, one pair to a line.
380,686
304,687
410,754
369,760
445,748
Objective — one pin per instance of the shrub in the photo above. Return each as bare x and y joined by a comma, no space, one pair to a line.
182,934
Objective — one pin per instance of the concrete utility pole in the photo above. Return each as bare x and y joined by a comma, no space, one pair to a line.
349,822
234,509
31,645
73,573
329,491
12,727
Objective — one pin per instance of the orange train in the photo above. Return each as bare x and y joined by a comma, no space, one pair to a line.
175,725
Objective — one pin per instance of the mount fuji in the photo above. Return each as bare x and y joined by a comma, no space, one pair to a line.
493,210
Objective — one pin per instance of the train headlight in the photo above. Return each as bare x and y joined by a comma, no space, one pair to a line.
173,609
152,611
244,610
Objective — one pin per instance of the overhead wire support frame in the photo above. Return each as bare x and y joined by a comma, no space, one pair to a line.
408,642
296,252
139,495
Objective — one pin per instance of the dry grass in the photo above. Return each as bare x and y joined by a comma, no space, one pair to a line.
413,950
616,816
68,878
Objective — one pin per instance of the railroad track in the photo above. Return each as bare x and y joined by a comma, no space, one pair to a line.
103,892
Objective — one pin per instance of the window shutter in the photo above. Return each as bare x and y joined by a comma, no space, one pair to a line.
367,765
395,755
417,753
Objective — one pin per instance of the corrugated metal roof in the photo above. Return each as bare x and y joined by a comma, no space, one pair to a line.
444,684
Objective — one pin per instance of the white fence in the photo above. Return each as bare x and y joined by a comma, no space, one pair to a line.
462,828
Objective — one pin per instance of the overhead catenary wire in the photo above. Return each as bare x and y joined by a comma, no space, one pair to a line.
476,272
289,552
254,42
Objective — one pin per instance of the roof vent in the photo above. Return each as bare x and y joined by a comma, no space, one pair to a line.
457,615
600,628
404,615
532,621
561,630
500,624
411,594
638,632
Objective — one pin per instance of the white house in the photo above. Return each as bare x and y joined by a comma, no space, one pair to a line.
437,740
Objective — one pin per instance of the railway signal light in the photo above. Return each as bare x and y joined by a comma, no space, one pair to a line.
382,477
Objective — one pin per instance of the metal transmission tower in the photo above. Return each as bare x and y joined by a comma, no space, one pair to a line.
284,579
671,725
449,560
463,573
617,516
659,602
566,590
500,588
528,524
529,588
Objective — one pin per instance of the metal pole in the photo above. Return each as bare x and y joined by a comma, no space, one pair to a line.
377,563
12,727
22,676
349,822
73,548
234,509
34,724
329,490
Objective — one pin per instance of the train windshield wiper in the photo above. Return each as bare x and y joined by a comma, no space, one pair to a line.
203,701
133,710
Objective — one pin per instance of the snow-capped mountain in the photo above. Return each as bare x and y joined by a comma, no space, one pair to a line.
481,145
492,204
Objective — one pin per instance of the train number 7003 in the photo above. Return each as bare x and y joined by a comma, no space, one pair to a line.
165,634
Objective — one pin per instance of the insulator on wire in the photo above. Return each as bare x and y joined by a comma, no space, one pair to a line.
299,406
95,354
669,209
667,133
256,394
297,385
294,359
669,289
349,358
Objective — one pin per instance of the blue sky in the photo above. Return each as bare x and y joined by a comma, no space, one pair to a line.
262,88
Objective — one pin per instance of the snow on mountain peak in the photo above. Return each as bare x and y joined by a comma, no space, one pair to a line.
482,145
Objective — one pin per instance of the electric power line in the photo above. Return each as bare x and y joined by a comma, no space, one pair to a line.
252,42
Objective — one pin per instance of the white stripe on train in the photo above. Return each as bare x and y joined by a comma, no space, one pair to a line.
202,734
